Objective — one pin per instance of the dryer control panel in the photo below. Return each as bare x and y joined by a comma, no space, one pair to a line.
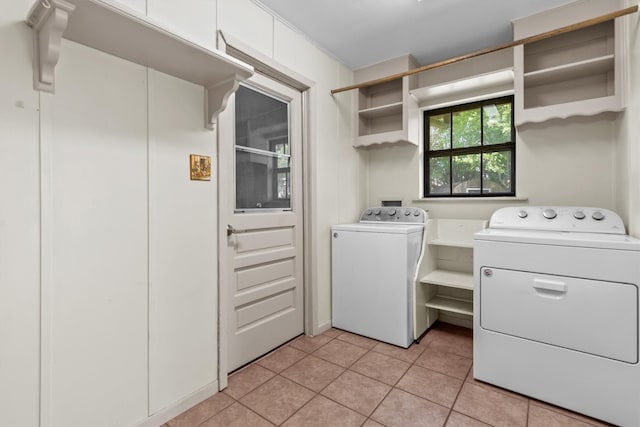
395,214
558,218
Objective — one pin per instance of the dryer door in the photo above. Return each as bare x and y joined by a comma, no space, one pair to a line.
590,316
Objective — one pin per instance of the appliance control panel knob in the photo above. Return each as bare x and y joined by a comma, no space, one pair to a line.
407,212
368,212
523,214
377,212
416,213
579,215
549,213
392,212
598,216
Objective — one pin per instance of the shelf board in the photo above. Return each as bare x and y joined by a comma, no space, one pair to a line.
452,279
453,243
453,305
122,32
574,70
381,111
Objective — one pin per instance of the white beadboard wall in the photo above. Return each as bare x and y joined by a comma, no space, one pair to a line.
95,238
19,223
124,317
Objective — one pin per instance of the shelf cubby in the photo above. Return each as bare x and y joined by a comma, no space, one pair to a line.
579,73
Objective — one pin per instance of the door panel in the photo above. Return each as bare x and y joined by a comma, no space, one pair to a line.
260,180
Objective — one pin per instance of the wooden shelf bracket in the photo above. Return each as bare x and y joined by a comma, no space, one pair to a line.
216,98
49,20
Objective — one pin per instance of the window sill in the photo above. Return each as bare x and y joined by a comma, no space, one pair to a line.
472,199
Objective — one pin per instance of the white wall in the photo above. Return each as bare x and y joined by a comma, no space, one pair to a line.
19,223
628,155
124,316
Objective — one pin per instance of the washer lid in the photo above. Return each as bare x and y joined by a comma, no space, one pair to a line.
380,227
560,238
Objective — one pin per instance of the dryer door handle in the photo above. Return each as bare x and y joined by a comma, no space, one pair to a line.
550,285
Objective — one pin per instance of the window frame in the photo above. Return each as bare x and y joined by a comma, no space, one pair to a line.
480,149
273,144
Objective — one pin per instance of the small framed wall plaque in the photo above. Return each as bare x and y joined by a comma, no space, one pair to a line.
200,167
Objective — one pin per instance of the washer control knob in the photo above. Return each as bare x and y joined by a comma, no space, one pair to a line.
368,212
579,215
523,214
377,212
392,212
416,213
407,212
598,216
549,213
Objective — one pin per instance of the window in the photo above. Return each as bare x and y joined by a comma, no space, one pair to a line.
470,150
263,157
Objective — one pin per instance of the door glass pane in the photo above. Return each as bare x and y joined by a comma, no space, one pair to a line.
263,156
260,184
439,175
440,132
466,174
496,123
466,128
496,174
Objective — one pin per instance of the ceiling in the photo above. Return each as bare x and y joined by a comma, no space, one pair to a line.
365,32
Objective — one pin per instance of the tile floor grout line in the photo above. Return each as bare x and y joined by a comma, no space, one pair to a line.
251,410
457,396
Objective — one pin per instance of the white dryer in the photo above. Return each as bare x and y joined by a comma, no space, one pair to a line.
374,265
556,309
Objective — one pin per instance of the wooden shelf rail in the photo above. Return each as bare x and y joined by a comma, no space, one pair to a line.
526,40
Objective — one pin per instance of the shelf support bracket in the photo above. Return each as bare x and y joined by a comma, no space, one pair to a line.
216,98
49,19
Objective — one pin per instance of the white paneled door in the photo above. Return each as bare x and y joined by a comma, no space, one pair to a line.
261,262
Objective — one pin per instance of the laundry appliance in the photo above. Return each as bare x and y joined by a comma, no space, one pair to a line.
374,266
556,309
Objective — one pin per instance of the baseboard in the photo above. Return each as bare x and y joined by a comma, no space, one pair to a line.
180,406
324,327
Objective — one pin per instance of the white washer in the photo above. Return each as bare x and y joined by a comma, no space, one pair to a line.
556,309
374,268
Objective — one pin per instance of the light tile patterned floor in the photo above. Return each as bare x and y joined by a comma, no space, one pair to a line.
343,379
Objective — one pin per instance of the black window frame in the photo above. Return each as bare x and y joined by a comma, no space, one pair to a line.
480,149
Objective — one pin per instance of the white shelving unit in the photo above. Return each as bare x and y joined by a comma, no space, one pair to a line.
580,73
386,113
452,279
111,28
447,275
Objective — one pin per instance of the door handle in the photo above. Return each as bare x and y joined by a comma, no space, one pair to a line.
550,285
231,230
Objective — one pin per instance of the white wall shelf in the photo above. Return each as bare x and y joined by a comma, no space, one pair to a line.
386,113
575,70
580,73
452,279
452,243
102,25
382,111
453,305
